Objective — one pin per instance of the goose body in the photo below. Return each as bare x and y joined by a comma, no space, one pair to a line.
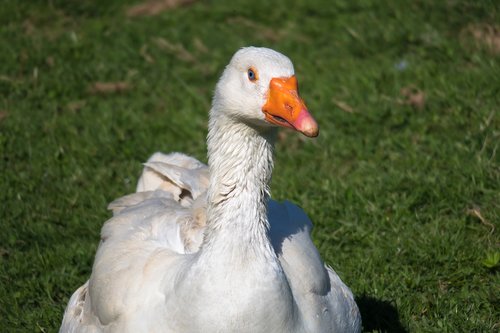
203,248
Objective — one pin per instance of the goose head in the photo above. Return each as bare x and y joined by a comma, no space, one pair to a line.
259,88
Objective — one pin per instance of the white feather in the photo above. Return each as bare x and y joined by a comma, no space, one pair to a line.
201,249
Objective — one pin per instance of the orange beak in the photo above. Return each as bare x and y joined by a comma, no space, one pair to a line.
284,107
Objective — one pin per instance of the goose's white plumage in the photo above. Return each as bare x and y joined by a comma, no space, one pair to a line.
204,249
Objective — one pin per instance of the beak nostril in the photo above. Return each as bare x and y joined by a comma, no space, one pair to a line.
288,107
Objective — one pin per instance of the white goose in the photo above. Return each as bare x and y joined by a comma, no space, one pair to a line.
206,250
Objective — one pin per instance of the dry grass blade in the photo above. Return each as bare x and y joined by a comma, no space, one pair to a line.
267,33
484,35
180,52
3,114
476,212
155,7
177,49
343,106
109,87
75,105
413,97
144,53
28,27
200,46
9,79
50,61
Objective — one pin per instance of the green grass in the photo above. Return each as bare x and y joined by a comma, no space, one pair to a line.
405,198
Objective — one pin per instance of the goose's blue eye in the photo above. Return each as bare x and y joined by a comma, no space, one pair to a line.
252,76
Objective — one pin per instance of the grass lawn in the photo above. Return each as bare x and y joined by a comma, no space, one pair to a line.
403,183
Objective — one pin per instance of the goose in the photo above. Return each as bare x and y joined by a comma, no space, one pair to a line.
202,248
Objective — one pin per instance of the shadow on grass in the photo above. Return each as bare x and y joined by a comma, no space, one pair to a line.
380,316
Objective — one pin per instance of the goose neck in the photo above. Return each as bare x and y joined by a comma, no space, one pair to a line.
241,162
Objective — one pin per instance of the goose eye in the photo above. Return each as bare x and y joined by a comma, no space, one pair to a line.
252,75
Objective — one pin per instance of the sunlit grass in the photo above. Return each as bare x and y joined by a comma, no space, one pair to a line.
404,190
